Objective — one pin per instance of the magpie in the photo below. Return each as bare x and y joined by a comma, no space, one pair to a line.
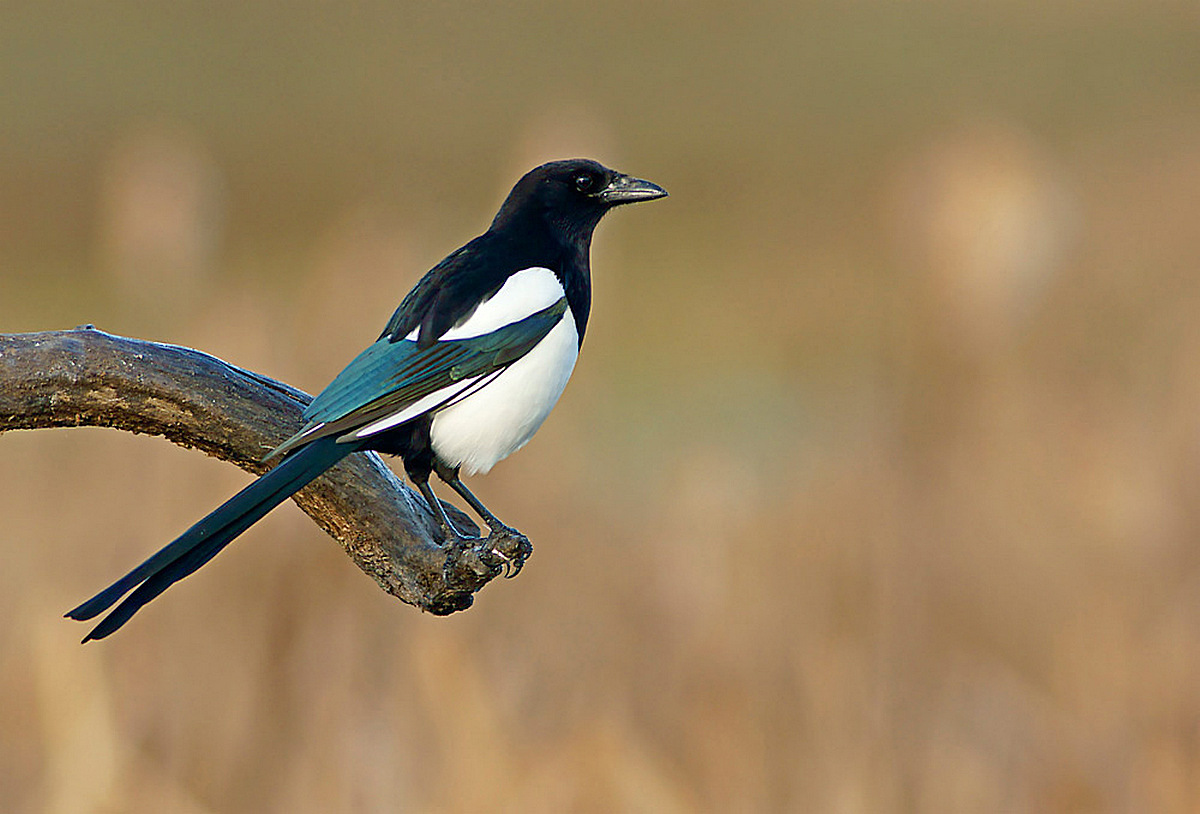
464,373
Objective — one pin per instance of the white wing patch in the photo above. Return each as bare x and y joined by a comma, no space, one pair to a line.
522,295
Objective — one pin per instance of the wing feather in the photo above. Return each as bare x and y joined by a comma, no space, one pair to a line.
390,376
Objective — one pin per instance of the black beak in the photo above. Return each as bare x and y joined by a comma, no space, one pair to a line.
626,189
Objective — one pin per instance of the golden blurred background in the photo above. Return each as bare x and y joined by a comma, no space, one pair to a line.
875,489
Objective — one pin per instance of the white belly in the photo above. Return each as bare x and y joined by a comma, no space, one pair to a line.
491,424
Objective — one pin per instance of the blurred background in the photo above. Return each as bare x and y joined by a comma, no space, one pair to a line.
875,489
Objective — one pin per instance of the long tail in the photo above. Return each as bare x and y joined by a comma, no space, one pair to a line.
206,538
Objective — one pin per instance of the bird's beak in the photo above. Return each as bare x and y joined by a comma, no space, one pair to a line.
626,189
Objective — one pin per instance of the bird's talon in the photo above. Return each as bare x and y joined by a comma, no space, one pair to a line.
513,546
510,569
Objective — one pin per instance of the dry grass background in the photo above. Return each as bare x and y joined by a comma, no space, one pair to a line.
876,487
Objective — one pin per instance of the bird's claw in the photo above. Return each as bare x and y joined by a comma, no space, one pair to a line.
503,551
512,547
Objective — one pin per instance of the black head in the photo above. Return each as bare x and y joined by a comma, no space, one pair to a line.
571,196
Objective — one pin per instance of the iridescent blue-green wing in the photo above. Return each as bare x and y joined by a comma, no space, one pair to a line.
391,377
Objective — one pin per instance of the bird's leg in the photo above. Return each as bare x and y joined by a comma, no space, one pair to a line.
450,476
439,512
513,546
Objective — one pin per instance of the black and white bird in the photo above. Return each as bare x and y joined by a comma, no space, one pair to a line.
464,373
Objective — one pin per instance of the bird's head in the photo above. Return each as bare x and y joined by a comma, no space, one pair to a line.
573,195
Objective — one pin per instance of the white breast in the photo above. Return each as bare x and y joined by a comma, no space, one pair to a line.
498,419
501,412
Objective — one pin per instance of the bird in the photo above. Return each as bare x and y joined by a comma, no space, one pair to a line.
464,373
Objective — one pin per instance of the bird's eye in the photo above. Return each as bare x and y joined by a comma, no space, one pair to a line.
585,182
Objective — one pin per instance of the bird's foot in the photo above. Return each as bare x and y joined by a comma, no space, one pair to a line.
511,546
503,551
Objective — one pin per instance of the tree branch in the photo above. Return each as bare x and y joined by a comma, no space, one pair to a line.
86,377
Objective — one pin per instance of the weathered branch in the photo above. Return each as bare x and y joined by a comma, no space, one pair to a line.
86,377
